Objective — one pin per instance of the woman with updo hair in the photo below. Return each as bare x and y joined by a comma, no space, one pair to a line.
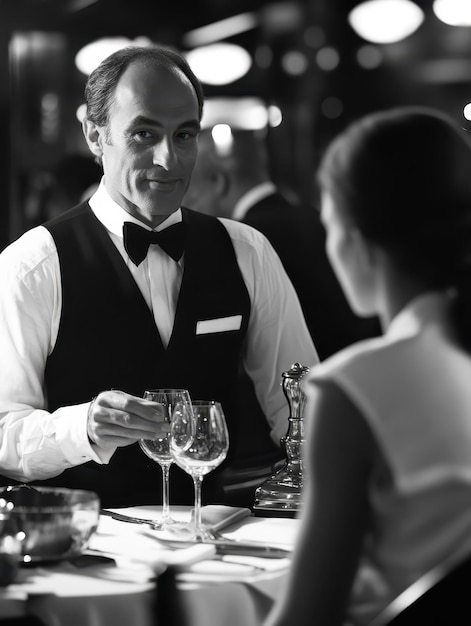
388,419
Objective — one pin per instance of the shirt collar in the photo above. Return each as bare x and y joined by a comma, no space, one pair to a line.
112,216
254,195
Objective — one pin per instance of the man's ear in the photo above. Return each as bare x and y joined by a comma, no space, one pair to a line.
93,136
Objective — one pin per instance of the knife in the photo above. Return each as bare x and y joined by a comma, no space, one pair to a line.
126,518
243,548
229,546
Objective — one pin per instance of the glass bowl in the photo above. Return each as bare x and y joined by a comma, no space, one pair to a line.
52,523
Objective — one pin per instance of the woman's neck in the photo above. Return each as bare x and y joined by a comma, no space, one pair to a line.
398,289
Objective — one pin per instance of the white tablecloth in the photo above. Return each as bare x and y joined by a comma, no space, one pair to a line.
216,591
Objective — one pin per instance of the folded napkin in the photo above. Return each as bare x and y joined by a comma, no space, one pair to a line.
220,516
270,531
195,564
126,542
213,516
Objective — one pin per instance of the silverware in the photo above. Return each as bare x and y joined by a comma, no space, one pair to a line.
127,518
223,545
227,546
244,548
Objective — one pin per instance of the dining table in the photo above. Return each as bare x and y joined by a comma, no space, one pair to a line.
231,581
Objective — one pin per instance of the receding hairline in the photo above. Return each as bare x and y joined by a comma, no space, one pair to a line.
159,65
102,82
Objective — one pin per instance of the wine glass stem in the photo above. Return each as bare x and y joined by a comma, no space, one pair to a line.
165,492
198,481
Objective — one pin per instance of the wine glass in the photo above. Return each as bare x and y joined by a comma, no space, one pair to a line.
199,442
158,449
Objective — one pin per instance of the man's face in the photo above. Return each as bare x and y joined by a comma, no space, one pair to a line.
150,145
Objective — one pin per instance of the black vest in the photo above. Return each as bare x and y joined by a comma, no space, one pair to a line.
108,339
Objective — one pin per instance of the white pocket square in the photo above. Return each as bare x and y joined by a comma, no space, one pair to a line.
219,325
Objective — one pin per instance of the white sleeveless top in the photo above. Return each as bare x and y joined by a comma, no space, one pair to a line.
413,387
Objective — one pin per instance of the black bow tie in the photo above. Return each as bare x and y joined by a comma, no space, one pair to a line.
137,241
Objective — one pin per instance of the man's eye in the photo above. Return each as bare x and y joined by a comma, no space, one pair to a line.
143,134
185,135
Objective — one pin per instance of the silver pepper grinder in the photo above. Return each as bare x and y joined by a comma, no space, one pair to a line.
280,495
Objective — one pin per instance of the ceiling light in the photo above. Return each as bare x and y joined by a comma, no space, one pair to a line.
294,62
275,116
91,55
223,29
223,139
385,21
327,58
441,71
281,17
237,113
219,63
369,57
81,112
453,12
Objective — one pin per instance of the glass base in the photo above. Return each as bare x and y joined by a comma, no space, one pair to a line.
185,532
162,523
281,492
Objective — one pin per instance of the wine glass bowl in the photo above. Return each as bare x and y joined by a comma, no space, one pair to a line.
158,449
199,442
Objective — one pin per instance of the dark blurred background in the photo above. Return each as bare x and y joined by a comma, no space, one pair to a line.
309,67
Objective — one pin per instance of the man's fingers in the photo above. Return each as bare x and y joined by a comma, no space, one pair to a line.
117,418
111,432
146,409
141,427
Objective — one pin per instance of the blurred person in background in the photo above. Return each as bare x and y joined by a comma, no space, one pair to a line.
49,192
90,318
388,452
76,177
234,181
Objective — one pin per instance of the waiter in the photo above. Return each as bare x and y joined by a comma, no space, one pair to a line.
131,291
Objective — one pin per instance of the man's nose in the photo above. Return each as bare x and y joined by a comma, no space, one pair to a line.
164,154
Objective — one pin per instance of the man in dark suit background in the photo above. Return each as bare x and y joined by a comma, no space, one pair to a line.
232,179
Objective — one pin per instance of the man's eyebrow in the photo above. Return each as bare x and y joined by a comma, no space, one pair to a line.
142,119
194,124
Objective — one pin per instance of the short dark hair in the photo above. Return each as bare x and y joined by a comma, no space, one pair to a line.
403,177
102,82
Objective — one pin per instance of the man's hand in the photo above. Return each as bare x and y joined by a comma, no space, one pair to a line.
117,419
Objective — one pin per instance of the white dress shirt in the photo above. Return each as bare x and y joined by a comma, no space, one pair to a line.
36,444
